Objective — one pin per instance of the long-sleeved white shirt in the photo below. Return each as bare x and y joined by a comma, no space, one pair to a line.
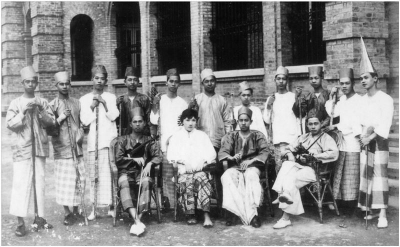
258,122
107,127
167,117
349,125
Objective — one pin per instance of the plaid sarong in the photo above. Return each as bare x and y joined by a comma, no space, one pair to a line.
195,191
129,187
168,184
346,181
377,178
104,182
67,190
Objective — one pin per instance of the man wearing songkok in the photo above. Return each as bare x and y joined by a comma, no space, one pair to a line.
313,100
376,115
346,180
246,152
165,113
191,150
294,176
135,164
213,110
131,100
278,112
26,114
246,93
106,132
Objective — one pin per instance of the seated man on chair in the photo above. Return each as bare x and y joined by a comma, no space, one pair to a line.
135,156
191,150
246,152
295,173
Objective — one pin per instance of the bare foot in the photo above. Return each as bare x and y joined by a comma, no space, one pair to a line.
207,220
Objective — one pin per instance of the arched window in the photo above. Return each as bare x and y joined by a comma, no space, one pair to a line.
81,47
237,35
173,37
305,24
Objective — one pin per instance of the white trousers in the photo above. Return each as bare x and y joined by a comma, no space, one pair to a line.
290,179
22,187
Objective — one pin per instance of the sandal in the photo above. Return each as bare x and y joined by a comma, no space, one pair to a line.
20,231
69,220
192,221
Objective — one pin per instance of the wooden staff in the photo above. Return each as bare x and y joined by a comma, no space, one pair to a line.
301,118
74,157
37,220
120,119
366,194
96,161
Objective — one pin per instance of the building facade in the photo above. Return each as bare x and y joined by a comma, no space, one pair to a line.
239,40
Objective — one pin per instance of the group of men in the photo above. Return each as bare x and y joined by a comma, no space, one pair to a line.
350,132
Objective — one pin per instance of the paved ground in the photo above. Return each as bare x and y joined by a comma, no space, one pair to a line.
306,229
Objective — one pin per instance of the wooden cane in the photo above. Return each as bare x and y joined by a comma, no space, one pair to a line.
366,194
75,159
37,221
96,162
301,118
120,119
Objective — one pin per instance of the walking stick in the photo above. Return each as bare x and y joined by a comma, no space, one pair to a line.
366,195
301,118
120,119
96,162
81,189
37,220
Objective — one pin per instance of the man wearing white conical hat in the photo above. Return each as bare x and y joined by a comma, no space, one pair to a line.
26,114
376,114
278,112
68,128
246,93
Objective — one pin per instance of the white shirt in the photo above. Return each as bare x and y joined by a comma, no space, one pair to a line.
377,111
349,125
170,110
106,124
258,122
285,126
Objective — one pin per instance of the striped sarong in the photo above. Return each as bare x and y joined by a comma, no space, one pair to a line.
168,184
195,192
129,188
67,190
346,181
104,194
377,179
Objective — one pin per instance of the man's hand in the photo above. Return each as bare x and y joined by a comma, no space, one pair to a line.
365,141
334,91
95,102
271,101
235,157
102,101
147,169
245,164
38,104
29,106
139,161
120,99
156,99
67,112
298,92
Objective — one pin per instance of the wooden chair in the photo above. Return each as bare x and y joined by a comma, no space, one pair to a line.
155,192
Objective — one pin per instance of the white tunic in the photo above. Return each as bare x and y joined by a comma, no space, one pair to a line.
349,125
258,122
285,126
170,110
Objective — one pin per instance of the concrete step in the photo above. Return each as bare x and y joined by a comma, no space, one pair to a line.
393,170
394,150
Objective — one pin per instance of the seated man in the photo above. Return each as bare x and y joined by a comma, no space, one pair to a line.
246,152
294,176
192,150
135,155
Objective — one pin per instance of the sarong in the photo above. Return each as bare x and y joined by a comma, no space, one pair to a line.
22,187
168,184
377,179
104,194
67,190
346,181
195,192
129,188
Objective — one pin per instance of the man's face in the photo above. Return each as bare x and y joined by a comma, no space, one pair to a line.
30,84
281,81
245,96
314,125
173,83
131,82
244,122
99,81
63,87
367,81
315,81
138,124
346,86
189,124
209,84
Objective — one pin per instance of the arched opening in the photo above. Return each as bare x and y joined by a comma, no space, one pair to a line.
28,39
128,50
81,47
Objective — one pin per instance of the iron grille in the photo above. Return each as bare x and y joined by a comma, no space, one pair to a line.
237,35
305,23
173,37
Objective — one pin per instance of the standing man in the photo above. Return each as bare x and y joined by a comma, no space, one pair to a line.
26,114
131,100
346,180
278,112
106,132
67,146
313,100
376,120
213,110
165,112
246,93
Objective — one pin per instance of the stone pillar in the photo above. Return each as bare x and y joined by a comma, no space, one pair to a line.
145,40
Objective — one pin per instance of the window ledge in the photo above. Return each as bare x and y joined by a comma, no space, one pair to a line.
81,83
300,69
